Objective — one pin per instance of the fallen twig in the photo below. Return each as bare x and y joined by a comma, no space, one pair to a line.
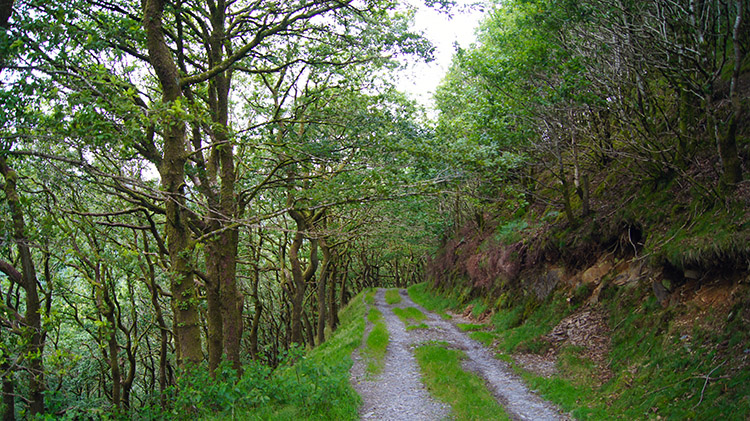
708,377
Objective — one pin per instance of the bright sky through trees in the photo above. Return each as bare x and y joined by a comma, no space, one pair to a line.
444,31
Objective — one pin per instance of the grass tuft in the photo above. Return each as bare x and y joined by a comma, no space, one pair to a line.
469,327
409,314
392,296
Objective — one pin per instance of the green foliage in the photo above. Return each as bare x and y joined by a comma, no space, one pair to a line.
466,393
511,232
478,307
305,386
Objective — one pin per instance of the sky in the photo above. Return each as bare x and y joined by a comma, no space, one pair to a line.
420,80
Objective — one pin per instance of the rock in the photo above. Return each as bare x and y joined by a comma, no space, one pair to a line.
691,274
547,282
633,273
662,294
594,274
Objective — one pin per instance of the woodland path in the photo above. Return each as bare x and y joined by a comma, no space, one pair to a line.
398,393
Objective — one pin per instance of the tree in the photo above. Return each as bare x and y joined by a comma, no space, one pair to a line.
29,326
195,51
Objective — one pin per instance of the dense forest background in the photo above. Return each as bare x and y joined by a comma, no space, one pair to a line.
192,185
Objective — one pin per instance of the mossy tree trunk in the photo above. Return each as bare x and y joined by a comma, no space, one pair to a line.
172,171
300,278
33,335
731,165
325,273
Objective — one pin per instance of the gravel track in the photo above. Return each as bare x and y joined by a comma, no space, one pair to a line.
398,393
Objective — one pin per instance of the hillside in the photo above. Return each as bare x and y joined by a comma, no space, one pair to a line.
639,310
602,231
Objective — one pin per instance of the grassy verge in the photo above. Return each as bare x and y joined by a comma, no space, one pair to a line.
376,343
312,386
470,327
392,296
665,363
370,296
465,392
421,295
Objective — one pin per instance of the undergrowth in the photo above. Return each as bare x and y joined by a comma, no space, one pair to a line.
310,386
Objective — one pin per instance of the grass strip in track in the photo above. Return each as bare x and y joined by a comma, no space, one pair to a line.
409,314
376,343
465,392
392,296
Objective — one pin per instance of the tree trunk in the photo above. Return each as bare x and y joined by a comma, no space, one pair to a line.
343,295
256,316
215,336
304,221
298,294
163,330
322,283
9,401
223,154
34,338
309,329
105,308
731,165
231,299
172,171
333,310
580,180
300,280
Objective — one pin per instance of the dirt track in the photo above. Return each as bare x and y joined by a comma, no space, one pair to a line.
398,393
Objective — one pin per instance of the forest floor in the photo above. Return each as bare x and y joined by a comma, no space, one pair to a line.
397,393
